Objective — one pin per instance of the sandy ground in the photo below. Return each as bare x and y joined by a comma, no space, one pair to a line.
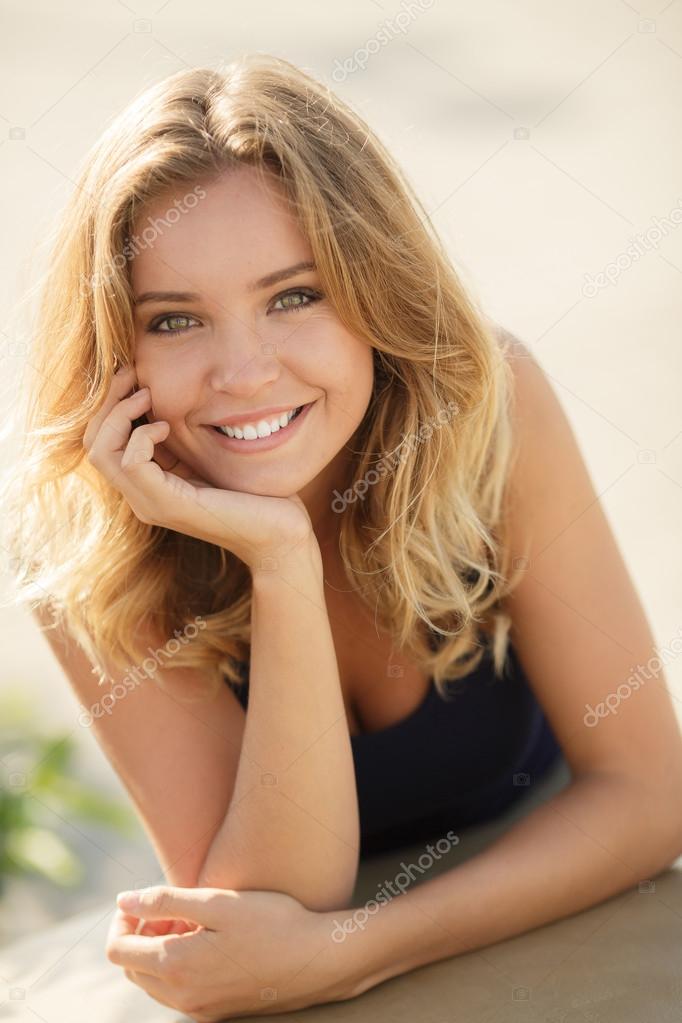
542,138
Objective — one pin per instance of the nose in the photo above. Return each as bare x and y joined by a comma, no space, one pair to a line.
242,363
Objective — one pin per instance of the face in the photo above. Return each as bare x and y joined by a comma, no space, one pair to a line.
237,346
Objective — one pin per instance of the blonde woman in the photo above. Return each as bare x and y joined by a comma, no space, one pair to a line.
271,443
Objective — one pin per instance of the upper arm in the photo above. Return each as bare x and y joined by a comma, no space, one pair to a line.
178,760
577,622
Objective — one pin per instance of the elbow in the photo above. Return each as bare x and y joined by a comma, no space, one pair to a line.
329,902
652,807
316,898
661,848
671,844
320,884
666,836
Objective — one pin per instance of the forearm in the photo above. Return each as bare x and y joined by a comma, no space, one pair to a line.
292,824
596,838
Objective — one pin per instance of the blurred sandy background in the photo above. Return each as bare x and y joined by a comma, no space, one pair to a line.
543,138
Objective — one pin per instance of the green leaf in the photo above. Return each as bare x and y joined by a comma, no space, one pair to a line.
43,852
26,844
68,796
53,758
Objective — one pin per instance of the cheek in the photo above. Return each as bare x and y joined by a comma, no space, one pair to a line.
171,391
333,358
350,377
355,372
172,406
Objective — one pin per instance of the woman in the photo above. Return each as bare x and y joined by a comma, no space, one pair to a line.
269,427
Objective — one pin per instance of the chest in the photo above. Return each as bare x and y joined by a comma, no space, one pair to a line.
380,685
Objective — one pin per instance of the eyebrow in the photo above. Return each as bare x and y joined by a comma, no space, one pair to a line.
192,296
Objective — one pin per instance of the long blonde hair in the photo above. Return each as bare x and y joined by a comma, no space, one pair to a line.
423,534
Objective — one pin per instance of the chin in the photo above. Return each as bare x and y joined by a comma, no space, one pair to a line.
259,487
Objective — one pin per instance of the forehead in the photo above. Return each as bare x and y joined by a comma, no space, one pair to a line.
216,236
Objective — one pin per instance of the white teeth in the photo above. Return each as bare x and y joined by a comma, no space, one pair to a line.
263,428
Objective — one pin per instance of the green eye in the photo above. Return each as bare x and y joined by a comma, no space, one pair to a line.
174,317
308,293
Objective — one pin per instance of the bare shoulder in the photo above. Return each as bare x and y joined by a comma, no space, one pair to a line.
545,448
550,489
531,390
67,649
56,634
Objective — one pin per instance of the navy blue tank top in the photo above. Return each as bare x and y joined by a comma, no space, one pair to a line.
448,764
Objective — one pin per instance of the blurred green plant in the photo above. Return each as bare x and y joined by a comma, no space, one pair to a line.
38,782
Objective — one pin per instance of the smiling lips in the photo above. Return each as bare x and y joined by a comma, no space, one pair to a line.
260,437
261,428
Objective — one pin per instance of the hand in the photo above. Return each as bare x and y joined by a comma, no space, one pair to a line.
164,492
124,923
243,953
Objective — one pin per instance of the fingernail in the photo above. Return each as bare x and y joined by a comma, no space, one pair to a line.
127,900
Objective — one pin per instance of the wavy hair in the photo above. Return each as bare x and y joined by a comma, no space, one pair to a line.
423,534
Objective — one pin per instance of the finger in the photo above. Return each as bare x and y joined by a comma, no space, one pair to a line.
182,927
121,384
141,446
144,952
150,928
204,906
151,954
154,987
114,431
154,927
134,471
122,924
141,474
166,459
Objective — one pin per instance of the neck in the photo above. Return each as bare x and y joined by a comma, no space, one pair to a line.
321,499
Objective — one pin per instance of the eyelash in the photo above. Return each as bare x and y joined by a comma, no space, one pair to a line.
310,294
